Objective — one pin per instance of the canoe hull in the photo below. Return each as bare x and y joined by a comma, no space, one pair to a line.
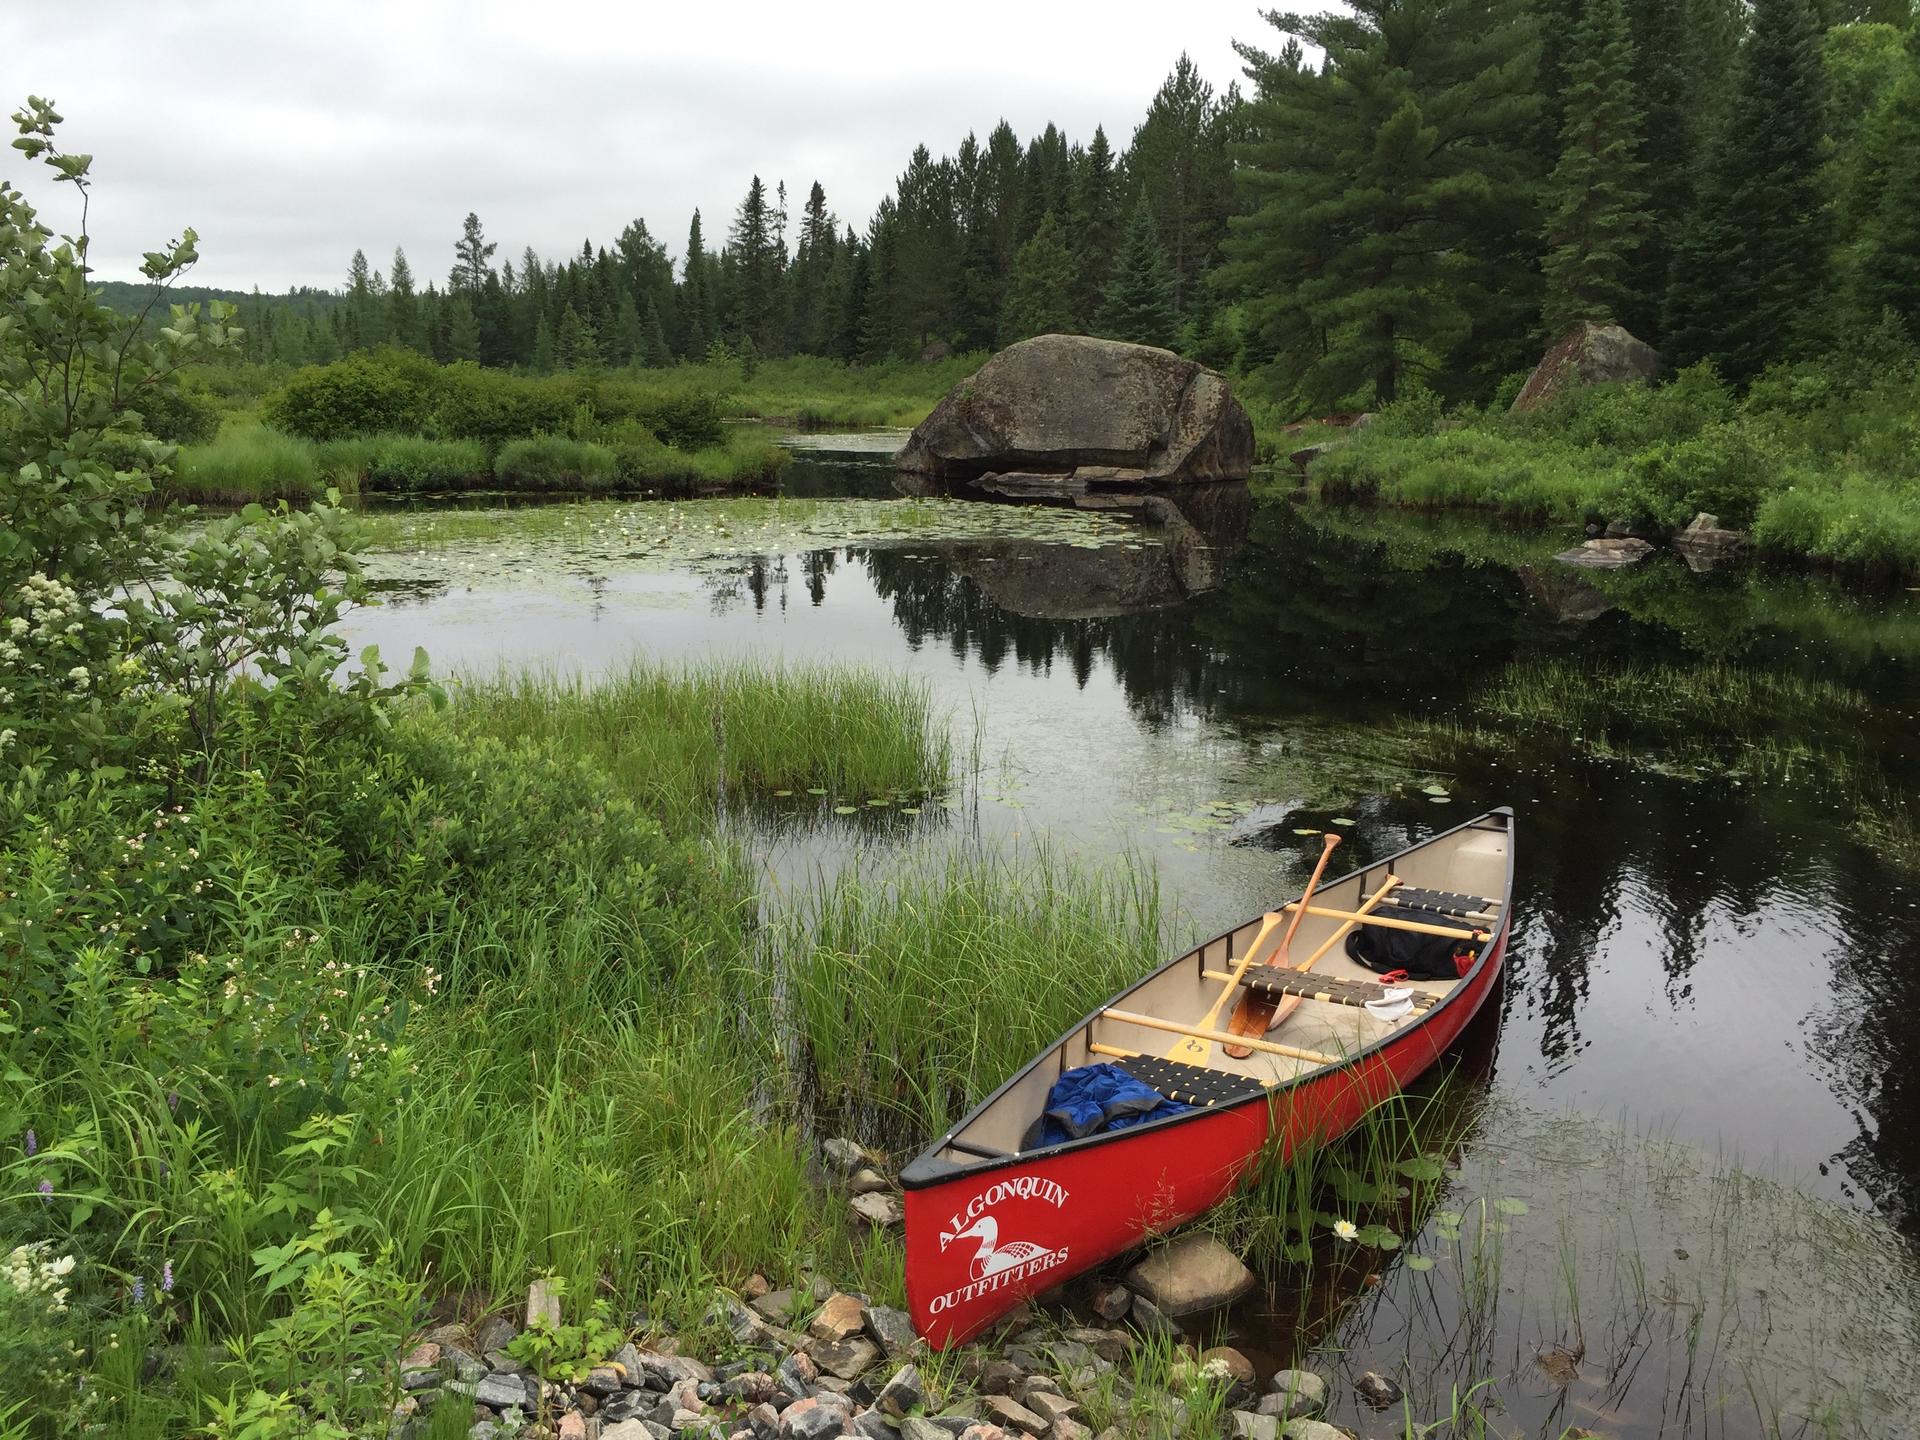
979,1243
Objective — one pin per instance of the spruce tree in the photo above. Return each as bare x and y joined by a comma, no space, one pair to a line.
463,329
654,352
1138,304
1598,207
693,332
760,256
813,263
403,309
543,357
1178,160
1096,226
627,337
1389,192
1040,297
470,255
574,344
1886,267
1751,261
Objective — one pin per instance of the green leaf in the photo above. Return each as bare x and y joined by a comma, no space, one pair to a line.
1507,1205
1342,820
1419,1262
1421,1167
1378,1236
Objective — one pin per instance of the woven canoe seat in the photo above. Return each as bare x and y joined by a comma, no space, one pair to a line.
1273,981
1442,902
1190,1084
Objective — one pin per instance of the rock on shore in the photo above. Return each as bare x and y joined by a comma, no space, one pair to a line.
1063,414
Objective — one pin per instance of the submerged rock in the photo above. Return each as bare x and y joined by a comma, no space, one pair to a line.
1294,1393
1606,554
1079,412
1706,543
1590,355
1377,1390
1194,1273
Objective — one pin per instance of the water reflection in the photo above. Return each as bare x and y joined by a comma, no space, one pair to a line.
1721,950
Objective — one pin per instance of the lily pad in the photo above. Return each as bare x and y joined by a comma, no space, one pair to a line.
909,809
817,790
1342,820
1421,1167
1378,1236
1419,1262
1433,789
1307,830
846,809
1507,1205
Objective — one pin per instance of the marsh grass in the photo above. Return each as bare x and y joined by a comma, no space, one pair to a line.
911,995
246,463
816,393
689,741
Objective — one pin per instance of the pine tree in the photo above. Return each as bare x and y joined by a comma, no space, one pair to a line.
1752,258
1138,304
1886,269
760,257
470,255
361,320
1040,299
1390,190
463,329
654,352
1095,226
1598,205
813,264
627,338
543,359
1178,160
574,344
403,310
693,332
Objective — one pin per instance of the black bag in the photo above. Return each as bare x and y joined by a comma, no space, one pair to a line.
1422,957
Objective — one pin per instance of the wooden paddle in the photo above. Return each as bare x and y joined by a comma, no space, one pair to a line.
1196,1049
1279,1010
1250,1016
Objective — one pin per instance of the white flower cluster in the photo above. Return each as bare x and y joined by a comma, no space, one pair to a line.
29,1273
49,616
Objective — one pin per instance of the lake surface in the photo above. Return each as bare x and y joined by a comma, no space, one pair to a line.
1716,946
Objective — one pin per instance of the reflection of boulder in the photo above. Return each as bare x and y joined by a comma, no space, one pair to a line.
1571,599
1590,355
1612,553
1061,414
1705,543
1200,528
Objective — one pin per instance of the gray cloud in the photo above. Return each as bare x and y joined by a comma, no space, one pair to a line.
289,134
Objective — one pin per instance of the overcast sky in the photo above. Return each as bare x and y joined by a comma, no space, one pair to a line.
289,132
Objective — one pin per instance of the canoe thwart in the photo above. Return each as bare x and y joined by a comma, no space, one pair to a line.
1387,922
1272,981
1190,1084
1174,1027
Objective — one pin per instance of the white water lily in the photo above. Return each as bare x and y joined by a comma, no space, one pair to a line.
1346,1230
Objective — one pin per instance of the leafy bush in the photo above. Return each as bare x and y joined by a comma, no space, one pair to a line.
1856,521
1725,470
493,407
363,394
410,464
554,462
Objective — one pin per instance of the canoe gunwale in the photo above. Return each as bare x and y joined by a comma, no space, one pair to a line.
927,1169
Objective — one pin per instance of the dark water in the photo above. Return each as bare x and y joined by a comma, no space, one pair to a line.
1707,952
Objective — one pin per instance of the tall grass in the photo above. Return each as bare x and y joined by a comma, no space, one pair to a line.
810,391
687,740
913,996
247,463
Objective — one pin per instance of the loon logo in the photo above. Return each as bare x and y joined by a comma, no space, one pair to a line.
996,1266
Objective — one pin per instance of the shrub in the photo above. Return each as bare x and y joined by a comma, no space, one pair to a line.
554,462
391,390
1726,470
411,465
1856,522
493,407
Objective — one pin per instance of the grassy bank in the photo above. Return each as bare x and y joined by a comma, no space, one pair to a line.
1818,462
823,394
253,462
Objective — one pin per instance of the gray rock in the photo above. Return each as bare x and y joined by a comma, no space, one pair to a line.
1051,1406
764,1421
1111,1302
1250,1426
627,1405
543,1305
893,1329
627,1357
916,1427
740,1322
464,1366
1298,1392
1303,458
1705,542
869,1182
881,1210
875,1426
627,1430
1193,1274
1311,1430
840,1317
498,1392
1047,407
1010,1414
496,1332
779,1306
601,1381
904,1392
1151,1321
1377,1390
849,1358
501,1363
816,1418
843,1157
998,1377
1589,355
1606,554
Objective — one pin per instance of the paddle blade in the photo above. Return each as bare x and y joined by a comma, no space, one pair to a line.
1191,1051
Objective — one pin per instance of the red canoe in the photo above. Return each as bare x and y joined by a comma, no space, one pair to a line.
989,1224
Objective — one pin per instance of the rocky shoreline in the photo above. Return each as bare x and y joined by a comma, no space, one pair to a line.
808,1361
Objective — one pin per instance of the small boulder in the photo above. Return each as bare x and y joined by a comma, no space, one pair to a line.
891,1329
1613,553
1150,1321
778,1306
849,1358
501,1392
1376,1390
543,1305
1111,1302
1248,1425
1010,1414
1311,1430
882,1211
840,1317
842,1156
1194,1273
816,1418
1296,1393
868,1181
573,1426
904,1392
1589,355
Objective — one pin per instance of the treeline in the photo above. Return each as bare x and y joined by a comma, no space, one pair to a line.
1443,188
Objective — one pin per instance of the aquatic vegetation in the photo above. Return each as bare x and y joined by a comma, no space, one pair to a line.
246,463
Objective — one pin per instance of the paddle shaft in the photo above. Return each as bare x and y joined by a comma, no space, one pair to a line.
1250,1015
1290,1003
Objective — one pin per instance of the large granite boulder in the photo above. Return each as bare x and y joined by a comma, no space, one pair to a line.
1590,355
1065,414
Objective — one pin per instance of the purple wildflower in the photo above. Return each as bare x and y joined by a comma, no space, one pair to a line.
139,1290
45,1187
32,1144
166,1278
